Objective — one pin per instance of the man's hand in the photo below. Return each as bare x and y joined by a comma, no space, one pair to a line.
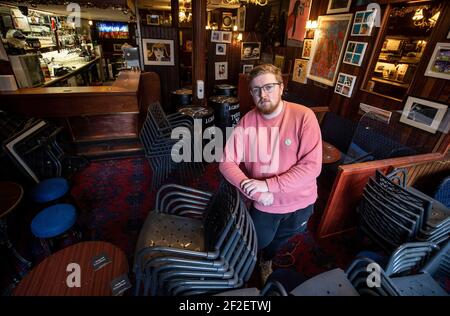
252,186
266,198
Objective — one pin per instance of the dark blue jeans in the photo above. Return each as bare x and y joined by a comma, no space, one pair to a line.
273,230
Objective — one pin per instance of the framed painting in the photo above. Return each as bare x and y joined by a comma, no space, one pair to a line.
364,23
354,53
338,6
439,65
307,46
246,69
345,84
250,50
216,36
328,48
298,15
299,71
221,49
153,19
221,70
240,20
423,114
158,52
225,37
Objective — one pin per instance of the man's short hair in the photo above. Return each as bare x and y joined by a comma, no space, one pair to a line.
265,69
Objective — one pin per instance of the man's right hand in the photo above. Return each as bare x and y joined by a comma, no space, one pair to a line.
266,198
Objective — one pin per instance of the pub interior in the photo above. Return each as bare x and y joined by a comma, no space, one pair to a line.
93,92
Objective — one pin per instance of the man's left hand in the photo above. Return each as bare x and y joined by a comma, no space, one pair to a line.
252,186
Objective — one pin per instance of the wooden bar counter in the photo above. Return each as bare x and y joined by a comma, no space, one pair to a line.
94,116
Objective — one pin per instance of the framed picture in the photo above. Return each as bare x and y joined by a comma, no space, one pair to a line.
153,19
240,21
279,62
188,46
246,69
423,114
299,71
328,48
215,36
439,65
364,22
307,46
117,47
310,33
221,70
221,49
354,53
227,20
298,15
345,84
158,52
338,6
225,37
250,50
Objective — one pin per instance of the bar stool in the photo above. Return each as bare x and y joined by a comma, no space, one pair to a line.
49,190
53,222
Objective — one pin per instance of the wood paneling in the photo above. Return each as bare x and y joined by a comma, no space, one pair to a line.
340,211
424,87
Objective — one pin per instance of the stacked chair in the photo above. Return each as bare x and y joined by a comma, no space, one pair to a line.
179,254
414,269
159,147
393,213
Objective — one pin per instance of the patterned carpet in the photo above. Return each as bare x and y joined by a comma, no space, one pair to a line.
117,193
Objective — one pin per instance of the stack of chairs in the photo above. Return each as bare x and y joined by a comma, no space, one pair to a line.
179,254
393,214
414,269
159,147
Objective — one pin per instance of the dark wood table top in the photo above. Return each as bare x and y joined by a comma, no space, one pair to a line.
49,277
330,154
11,194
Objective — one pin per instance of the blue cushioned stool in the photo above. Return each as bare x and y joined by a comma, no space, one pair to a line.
52,222
49,190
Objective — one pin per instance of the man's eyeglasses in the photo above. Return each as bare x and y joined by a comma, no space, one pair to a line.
267,88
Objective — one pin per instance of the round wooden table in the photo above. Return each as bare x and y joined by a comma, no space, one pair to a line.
330,154
49,278
11,194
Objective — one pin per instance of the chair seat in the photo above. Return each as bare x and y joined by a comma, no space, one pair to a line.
333,282
418,285
49,190
53,221
171,231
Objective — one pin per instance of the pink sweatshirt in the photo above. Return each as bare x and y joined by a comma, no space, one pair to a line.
291,164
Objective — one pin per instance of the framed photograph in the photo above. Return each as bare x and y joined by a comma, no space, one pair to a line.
310,33
158,52
246,69
225,37
221,49
117,47
354,53
278,62
345,84
423,114
153,19
299,71
338,6
307,47
298,15
216,36
328,48
439,65
227,20
250,50
240,20
221,70
364,23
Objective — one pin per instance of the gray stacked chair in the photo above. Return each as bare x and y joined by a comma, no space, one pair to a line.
178,254
159,147
271,288
414,269
393,214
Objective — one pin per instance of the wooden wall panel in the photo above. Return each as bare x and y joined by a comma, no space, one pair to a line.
424,87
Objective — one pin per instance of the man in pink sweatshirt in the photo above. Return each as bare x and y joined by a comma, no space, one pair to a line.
274,156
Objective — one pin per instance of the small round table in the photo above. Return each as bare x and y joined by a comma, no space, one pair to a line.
11,194
330,154
50,277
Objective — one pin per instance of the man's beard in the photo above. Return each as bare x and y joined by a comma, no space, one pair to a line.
267,109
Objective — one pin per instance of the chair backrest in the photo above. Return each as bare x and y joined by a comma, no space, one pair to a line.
442,193
337,130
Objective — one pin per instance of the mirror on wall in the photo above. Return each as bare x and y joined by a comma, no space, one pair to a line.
403,43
